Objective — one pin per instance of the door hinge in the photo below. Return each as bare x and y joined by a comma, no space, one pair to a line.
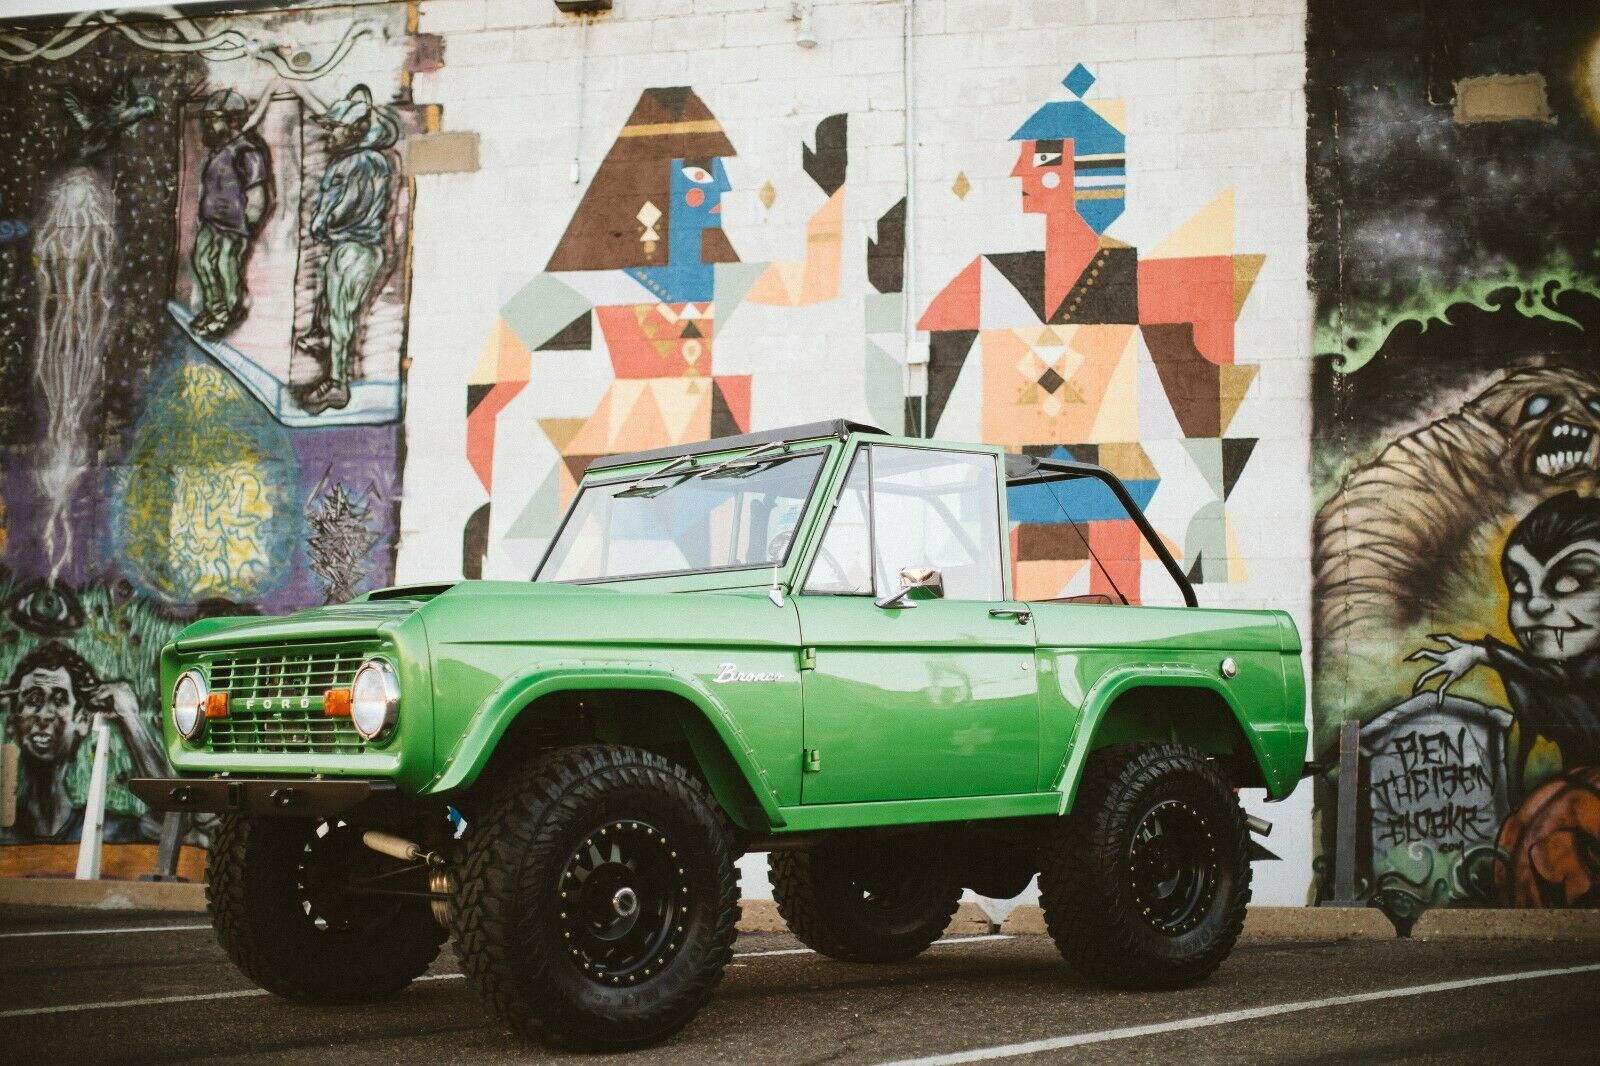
813,761
808,658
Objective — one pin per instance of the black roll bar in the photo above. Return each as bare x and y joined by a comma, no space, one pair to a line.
1032,470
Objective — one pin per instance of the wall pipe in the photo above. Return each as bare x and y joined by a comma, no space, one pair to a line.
908,323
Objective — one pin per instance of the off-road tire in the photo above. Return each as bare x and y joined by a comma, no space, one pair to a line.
1090,868
261,918
512,934
821,895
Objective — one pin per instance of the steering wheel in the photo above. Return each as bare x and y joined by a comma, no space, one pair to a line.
780,541
825,556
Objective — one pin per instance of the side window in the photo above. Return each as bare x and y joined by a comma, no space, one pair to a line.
939,510
1075,542
843,563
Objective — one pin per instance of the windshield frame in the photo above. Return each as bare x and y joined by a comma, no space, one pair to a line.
700,465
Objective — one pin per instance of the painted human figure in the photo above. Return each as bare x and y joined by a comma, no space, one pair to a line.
1062,336
1551,567
54,694
350,218
639,261
235,191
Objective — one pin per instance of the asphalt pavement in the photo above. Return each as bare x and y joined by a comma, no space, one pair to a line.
133,986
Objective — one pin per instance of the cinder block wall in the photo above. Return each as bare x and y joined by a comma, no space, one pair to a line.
661,223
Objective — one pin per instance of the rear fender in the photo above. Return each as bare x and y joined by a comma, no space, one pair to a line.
1100,699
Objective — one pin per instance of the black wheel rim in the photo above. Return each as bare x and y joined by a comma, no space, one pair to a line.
1172,867
333,858
622,899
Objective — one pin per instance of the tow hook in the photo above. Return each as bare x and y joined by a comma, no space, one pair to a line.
441,879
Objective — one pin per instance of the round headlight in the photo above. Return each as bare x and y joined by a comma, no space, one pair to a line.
189,704
374,699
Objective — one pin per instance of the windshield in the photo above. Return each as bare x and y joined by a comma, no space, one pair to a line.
734,517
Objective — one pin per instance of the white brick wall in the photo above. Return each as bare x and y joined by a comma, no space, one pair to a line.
1215,100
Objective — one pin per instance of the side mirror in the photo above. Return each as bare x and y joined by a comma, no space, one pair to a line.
915,584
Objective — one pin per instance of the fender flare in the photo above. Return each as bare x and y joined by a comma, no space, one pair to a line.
1126,678
502,706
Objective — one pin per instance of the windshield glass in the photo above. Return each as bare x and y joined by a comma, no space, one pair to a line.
712,519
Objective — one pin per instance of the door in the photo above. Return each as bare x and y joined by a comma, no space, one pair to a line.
930,696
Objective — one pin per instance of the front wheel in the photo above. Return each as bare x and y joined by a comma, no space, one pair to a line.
1145,884
599,899
286,900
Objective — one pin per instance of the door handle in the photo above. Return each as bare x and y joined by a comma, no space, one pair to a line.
1021,614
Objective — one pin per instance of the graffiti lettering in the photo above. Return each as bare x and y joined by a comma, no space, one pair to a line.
1454,823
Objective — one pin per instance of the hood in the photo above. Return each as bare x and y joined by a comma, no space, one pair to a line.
359,618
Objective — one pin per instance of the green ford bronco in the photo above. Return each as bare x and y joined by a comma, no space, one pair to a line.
803,642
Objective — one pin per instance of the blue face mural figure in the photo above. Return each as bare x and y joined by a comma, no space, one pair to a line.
1073,159
697,188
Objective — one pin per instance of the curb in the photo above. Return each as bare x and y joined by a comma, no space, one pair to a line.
1508,925
761,915
102,895
1261,923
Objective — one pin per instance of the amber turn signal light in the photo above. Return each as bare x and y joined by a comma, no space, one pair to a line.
336,703
217,705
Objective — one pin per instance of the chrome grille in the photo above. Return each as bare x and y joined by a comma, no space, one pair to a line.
275,701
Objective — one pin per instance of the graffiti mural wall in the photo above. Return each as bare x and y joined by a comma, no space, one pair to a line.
250,286
1086,348
1456,548
202,341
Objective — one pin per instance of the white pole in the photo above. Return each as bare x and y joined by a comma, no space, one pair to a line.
916,350
94,807
9,754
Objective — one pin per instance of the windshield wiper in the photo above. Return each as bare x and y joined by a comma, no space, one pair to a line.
738,466
741,465
638,488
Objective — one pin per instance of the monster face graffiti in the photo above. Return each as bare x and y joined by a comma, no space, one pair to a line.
1564,446
1552,569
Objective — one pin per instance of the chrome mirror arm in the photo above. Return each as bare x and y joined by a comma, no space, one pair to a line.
898,601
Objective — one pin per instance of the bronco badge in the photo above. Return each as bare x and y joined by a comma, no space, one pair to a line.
731,672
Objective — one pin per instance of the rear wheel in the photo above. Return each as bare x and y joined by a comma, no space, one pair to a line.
864,903
599,898
286,900
1145,884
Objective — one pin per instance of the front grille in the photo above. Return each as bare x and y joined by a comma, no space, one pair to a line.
275,701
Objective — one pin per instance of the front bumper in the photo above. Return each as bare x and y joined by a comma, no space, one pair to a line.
295,797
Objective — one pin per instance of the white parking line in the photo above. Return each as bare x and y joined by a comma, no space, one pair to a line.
936,944
1058,1043
157,1001
93,932
245,993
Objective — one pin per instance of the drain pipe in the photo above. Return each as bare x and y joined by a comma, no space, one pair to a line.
916,353
583,78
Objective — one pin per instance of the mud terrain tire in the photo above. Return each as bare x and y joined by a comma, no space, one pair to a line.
302,943
1145,884
863,904
598,901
